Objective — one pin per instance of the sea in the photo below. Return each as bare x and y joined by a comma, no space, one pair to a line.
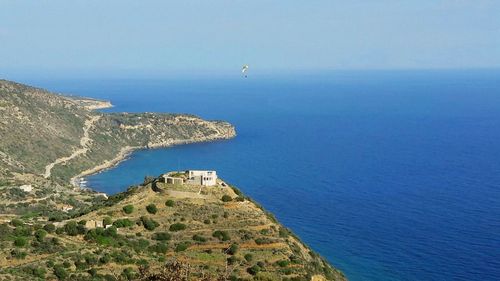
390,175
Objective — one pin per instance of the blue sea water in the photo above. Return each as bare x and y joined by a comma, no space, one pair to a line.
389,175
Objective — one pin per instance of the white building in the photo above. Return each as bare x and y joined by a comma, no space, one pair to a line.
26,188
206,178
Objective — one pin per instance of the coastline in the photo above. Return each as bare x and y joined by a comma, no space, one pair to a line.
126,151
121,156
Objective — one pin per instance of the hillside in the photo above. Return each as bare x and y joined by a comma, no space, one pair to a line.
50,229
212,233
39,128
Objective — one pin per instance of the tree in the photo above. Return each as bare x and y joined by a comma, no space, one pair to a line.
151,208
128,209
226,198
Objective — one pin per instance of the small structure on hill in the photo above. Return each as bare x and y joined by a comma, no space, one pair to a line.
206,178
26,188
196,177
91,224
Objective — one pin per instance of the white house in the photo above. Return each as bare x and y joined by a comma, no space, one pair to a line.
26,188
206,178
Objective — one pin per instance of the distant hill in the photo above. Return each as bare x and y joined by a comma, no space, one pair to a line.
39,127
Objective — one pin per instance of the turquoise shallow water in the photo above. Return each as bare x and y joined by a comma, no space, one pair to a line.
389,175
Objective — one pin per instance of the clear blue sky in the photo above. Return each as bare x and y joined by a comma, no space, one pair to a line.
64,38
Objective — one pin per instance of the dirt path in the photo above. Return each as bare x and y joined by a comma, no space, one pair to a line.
84,141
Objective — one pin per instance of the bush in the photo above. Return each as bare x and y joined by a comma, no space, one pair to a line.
16,222
254,269
199,238
261,241
162,236
20,242
221,235
151,208
107,221
182,246
177,227
226,198
50,228
248,257
128,209
233,249
240,199
60,272
283,263
71,228
123,223
40,234
169,203
148,223
207,221
160,248
17,254
128,273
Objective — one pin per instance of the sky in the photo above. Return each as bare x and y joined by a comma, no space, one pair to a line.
161,38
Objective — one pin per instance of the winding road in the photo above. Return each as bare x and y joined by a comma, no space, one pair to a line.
84,141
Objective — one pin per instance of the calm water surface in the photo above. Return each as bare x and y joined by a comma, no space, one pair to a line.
389,175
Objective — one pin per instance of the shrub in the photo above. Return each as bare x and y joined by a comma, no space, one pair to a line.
123,223
128,209
221,235
199,238
261,241
20,242
128,273
160,248
40,234
283,263
232,249
60,272
148,223
71,228
17,254
16,222
284,232
162,236
182,246
226,198
107,221
151,208
240,199
50,228
207,221
232,260
254,269
177,227
169,203
248,257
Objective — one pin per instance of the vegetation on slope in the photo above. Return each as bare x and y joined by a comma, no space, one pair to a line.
200,234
